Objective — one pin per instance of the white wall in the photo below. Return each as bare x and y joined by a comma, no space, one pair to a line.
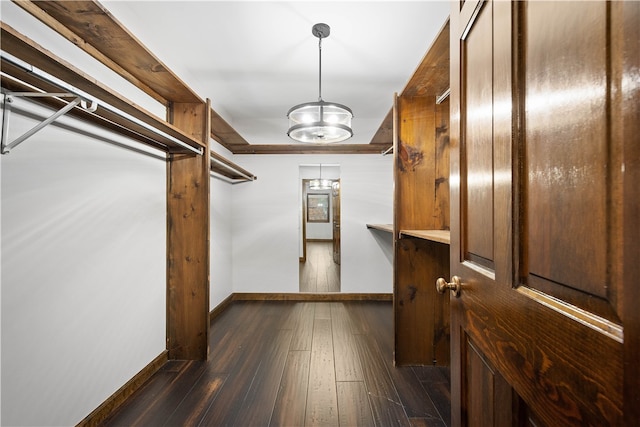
266,222
220,235
83,270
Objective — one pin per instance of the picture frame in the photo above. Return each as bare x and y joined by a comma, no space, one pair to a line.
317,207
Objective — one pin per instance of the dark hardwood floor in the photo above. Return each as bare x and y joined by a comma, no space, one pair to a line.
319,273
275,363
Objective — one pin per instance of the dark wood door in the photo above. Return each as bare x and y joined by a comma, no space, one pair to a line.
539,110
335,199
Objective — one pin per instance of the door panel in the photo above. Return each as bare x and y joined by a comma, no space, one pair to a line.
572,193
478,172
536,215
486,391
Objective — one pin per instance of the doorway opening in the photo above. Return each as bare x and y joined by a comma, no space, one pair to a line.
320,256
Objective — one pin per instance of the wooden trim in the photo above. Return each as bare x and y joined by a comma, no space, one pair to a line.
118,49
320,240
309,149
39,12
218,309
113,42
113,402
630,14
318,297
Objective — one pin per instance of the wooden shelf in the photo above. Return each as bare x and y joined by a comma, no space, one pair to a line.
382,227
442,236
33,54
431,78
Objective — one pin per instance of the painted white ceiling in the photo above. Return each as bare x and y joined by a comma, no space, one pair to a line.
256,59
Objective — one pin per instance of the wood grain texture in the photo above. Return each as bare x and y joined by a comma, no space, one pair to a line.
477,165
329,296
310,149
627,19
421,202
290,409
353,404
414,160
319,273
346,359
421,314
188,240
92,28
93,25
558,370
255,376
322,404
569,180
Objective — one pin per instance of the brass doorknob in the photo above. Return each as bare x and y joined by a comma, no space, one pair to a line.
455,286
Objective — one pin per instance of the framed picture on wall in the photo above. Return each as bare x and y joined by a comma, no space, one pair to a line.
317,208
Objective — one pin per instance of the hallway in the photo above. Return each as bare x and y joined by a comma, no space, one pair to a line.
294,364
319,273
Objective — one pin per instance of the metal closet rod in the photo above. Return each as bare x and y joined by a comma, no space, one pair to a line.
43,75
249,178
445,95
239,172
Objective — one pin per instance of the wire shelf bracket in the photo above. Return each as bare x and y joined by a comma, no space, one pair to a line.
6,146
83,99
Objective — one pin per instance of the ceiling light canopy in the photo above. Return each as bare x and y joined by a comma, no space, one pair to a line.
321,121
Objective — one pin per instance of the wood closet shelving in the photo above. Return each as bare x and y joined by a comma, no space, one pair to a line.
441,236
125,55
35,55
185,134
420,130
382,227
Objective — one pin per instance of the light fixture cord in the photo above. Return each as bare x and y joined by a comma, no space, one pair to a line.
319,68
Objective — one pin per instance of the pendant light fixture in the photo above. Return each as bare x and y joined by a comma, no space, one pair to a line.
321,121
319,183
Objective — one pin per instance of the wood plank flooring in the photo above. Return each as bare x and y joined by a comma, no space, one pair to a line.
276,363
319,273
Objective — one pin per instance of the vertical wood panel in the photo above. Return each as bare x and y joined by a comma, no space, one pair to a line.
415,159
188,239
421,314
421,202
441,204
568,144
478,143
628,17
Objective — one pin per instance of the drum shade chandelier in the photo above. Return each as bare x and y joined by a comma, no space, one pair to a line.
321,121
319,183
